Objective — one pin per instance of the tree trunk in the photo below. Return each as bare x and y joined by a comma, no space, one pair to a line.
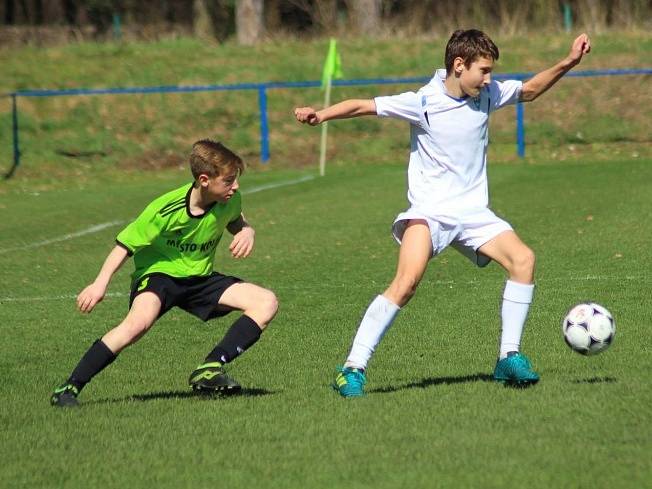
38,12
365,16
249,21
202,22
272,14
10,14
70,11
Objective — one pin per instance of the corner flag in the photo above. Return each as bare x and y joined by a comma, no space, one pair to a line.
332,69
332,65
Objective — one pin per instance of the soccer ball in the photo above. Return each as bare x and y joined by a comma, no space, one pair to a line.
588,328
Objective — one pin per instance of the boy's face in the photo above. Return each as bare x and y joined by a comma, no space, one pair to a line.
476,76
222,187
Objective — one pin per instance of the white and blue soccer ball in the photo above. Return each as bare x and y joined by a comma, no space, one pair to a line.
588,328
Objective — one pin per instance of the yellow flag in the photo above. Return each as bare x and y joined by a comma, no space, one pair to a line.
332,65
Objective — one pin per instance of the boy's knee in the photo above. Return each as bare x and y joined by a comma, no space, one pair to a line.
135,328
527,260
270,303
524,262
403,288
126,333
267,306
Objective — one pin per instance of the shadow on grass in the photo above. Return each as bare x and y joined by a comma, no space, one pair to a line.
596,380
154,396
433,381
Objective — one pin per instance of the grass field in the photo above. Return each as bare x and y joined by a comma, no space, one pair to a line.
432,417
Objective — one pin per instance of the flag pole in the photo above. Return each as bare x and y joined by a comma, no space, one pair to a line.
324,131
332,69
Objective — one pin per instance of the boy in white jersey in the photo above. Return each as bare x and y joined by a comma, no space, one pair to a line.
173,243
447,191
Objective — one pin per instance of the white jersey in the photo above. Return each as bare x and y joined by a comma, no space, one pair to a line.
448,142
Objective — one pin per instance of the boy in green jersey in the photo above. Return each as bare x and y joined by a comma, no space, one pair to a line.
173,244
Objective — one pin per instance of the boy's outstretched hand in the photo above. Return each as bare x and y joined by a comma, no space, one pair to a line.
243,242
90,297
580,47
307,115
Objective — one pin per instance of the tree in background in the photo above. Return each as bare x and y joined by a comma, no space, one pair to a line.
213,19
364,16
249,21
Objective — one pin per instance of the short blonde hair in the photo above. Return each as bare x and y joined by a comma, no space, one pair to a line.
212,158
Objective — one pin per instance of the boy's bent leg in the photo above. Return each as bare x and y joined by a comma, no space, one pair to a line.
103,352
259,306
415,251
258,303
512,254
413,257
143,313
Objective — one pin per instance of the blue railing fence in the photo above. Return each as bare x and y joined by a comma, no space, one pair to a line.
262,89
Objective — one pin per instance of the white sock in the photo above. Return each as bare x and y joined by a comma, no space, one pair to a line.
375,323
516,303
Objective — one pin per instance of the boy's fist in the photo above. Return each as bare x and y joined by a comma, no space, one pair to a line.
307,115
580,47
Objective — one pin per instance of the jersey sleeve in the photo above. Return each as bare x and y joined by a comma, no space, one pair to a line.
141,232
406,106
504,93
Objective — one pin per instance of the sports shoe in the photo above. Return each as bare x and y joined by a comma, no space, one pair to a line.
65,396
211,377
515,369
349,382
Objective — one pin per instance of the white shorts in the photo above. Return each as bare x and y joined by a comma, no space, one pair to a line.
466,231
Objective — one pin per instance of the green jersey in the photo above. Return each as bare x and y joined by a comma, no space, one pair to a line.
167,238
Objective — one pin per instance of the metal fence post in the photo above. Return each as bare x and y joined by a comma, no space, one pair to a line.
520,130
14,121
264,127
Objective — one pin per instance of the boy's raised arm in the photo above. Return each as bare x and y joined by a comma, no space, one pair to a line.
94,293
542,81
342,110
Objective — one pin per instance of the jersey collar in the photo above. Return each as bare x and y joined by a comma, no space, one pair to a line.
190,214
439,78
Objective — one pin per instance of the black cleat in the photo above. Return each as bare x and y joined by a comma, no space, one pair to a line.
65,396
211,377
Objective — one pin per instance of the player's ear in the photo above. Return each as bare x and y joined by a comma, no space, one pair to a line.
202,180
458,66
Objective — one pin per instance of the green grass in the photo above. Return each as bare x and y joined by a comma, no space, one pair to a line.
431,419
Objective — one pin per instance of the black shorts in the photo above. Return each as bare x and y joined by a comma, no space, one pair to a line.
197,295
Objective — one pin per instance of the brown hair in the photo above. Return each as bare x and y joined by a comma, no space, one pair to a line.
469,45
212,158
